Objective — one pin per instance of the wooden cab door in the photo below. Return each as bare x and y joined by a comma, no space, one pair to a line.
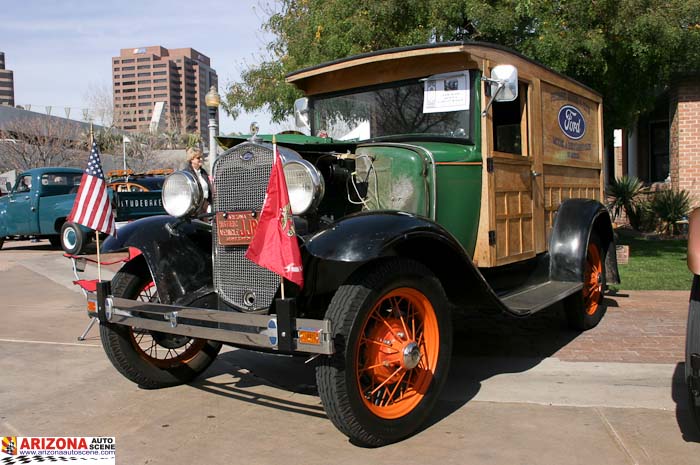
513,180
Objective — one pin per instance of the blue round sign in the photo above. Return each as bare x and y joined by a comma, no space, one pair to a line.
571,122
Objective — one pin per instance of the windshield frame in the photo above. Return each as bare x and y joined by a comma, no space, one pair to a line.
469,140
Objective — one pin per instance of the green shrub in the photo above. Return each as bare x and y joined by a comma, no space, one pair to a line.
670,207
624,193
641,215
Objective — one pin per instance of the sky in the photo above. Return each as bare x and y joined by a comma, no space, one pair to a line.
60,51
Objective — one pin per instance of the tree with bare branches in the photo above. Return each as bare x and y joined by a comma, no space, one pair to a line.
34,142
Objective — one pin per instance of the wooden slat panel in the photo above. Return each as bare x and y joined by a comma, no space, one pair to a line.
513,208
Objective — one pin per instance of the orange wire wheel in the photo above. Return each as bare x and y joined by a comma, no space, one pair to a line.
397,353
593,280
585,309
163,350
393,338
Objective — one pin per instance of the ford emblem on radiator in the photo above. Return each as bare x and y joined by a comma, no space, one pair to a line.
247,156
571,122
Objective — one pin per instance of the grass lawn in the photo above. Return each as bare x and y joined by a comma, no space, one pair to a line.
654,264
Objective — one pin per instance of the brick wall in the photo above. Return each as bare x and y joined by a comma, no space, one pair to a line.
684,129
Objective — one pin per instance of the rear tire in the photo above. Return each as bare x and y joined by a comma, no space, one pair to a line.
585,309
393,341
148,358
73,239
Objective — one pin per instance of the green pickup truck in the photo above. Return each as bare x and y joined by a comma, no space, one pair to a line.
41,199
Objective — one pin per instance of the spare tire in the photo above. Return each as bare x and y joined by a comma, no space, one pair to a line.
73,239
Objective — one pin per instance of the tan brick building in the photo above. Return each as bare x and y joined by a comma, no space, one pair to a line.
664,146
7,84
155,87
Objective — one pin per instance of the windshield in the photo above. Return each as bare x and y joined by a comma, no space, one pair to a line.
434,106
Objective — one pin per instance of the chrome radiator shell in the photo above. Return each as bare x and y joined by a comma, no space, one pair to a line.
241,175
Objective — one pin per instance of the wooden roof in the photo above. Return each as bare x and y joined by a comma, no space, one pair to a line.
419,61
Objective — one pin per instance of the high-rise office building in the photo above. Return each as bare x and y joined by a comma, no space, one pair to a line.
157,88
7,84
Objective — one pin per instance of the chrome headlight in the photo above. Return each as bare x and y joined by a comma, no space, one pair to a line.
182,195
304,184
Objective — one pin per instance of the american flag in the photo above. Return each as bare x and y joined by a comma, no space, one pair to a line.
92,207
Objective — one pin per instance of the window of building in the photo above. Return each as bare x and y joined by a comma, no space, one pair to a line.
144,74
117,84
160,65
141,60
160,87
160,95
116,76
160,73
116,68
144,104
144,66
131,97
116,91
160,80
116,62
128,75
144,89
129,90
129,83
144,81
145,96
128,60
129,127
127,68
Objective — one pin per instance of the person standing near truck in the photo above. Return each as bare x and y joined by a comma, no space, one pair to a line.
194,165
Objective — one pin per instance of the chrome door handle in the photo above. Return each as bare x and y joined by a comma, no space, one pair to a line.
535,173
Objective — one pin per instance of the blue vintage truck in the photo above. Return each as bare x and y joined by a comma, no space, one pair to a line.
41,199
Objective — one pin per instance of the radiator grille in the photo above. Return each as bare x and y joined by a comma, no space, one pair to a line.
240,181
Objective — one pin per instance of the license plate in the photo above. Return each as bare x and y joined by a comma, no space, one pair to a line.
236,228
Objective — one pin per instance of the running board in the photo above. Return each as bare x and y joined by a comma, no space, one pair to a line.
534,299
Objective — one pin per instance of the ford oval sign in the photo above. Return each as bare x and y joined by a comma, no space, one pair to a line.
571,122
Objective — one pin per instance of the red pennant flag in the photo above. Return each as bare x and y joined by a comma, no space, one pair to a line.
275,245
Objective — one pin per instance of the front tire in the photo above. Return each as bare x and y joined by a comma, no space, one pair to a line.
585,309
149,358
73,239
393,341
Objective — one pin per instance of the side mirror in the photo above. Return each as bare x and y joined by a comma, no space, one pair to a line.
503,85
301,113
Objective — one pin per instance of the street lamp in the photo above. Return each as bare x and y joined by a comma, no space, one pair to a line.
212,100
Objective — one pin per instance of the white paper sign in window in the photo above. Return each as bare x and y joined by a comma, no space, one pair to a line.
446,92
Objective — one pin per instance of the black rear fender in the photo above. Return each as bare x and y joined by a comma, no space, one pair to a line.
178,258
576,219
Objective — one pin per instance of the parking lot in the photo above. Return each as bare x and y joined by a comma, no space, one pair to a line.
521,392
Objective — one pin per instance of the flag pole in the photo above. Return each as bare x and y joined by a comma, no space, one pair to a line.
275,160
97,233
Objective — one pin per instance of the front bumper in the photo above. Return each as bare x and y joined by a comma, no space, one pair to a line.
282,332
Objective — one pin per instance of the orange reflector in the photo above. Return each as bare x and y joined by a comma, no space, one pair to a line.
307,336
91,306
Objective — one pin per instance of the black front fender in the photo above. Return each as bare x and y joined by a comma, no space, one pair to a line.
358,239
179,258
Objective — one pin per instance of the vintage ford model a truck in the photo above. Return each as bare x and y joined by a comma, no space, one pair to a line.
437,179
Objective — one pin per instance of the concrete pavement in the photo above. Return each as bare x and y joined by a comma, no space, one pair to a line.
523,392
